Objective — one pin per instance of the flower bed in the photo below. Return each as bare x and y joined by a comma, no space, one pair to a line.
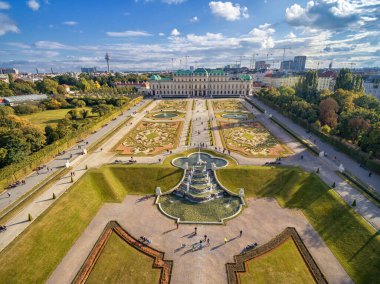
251,139
171,105
228,106
151,138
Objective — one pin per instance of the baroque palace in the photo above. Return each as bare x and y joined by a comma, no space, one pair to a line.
201,83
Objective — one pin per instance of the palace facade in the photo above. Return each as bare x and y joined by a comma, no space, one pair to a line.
201,83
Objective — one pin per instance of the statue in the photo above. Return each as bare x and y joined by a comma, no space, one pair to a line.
241,192
322,154
341,168
67,165
158,191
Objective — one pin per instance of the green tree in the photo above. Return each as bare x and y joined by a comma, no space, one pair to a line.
101,109
6,110
307,87
348,81
4,90
48,86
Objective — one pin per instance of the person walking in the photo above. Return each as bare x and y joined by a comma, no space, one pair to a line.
241,233
9,195
205,237
208,242
177,225
195,231
225,240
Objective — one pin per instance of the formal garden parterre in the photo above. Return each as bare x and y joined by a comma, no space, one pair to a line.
171,105
151,138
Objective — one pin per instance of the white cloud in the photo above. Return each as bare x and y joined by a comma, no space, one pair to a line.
33,4
161,34
51,45
263,34
70,23
194,19
4,5
128,34
7,25
18,45
175,32
173,1
228,10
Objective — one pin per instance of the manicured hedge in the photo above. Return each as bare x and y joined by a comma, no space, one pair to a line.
14,172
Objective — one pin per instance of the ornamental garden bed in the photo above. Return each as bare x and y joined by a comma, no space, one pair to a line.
151,138
171,105
251,139
228,106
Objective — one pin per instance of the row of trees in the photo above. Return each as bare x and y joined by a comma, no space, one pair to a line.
346,113
19,138
84,84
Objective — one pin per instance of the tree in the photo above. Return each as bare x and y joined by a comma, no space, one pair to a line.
348,81
4,90
328,112
101,109
21,87
371,141
48,86
78,103
6,110
357,126
307,87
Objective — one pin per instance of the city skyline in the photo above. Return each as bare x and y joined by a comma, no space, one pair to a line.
49,34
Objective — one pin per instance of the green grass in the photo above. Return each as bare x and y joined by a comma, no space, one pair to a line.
352,240
121,263
282,265
49,117
34,255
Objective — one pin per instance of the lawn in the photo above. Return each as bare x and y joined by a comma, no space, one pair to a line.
34,255
284,264
121,263
352,240
49,117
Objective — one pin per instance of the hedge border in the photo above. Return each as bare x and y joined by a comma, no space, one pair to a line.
239,266
166,266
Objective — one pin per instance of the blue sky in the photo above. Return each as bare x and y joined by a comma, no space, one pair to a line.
154,34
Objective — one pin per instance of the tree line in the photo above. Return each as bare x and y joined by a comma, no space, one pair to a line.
346,113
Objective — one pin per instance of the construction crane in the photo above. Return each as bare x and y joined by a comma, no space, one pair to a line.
252,65
352,64
51,69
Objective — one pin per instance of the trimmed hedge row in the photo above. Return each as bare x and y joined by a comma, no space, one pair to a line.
350,150
14,172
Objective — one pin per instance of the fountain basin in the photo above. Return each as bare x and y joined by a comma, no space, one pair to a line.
235,115
165,115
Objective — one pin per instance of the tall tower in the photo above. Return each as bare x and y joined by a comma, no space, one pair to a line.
107,58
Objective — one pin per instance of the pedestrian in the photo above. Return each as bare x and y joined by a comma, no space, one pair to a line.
9,195
241,233
101,149
177,225
205,237
370,174
208,242
38,173
225,240
195,230
301,157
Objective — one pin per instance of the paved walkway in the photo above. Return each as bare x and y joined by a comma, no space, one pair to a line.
57,163
262,220
199,132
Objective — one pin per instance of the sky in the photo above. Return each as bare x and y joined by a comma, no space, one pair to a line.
166,34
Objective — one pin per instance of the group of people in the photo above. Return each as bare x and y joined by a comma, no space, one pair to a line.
17,183
3,228
145,240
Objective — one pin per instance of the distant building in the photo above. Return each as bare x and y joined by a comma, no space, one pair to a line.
326,80
201,83
15,100
260,65
88,70
299,63
372,86
287,65
4,78
8,71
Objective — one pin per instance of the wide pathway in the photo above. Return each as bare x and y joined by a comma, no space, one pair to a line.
262,220
200,129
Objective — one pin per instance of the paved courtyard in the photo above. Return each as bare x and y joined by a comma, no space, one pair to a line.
262,220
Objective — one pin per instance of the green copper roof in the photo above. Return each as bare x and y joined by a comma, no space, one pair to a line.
155,78
183,73
200,72
246,77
